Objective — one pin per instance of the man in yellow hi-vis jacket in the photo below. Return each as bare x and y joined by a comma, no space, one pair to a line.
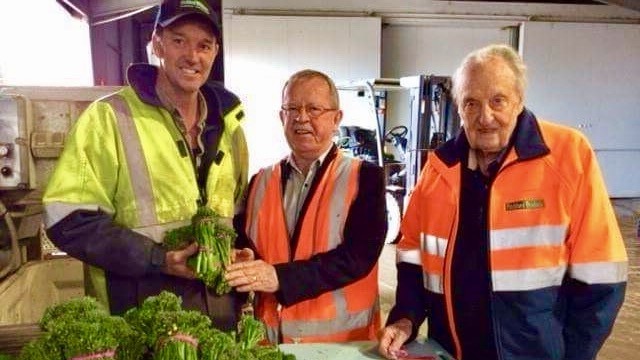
140,161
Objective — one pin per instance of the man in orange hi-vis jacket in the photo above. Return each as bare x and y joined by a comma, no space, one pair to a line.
510,244
316,221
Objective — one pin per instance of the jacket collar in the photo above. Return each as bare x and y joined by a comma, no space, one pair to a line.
527,141
142,78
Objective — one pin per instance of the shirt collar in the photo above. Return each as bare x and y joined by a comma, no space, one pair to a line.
202,105
315,165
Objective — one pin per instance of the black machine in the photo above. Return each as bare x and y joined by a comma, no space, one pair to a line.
432,120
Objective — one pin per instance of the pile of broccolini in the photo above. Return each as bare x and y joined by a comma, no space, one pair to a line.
159,329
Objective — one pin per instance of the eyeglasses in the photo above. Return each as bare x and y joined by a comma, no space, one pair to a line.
313,111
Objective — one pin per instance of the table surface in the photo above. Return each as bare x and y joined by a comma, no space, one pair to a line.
361,350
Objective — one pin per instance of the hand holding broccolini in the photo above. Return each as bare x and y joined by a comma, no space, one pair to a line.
215,241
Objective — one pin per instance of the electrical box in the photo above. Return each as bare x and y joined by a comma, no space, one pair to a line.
15,127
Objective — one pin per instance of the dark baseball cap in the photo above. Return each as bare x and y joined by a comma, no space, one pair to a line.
172,10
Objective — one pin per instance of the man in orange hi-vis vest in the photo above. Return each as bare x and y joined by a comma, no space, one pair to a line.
510,244
316,222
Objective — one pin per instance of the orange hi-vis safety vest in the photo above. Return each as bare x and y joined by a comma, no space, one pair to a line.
350,313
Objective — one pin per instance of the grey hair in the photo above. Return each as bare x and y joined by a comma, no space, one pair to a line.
308,74
482,55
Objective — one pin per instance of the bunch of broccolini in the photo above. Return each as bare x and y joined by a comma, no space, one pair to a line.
81,328
171,332
215,241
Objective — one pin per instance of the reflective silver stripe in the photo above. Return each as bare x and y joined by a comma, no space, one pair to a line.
338,211
529,279
344,321
528,236
599,272
433,283
261,183
272,334
56,211
156,232
408,256
433,245
138,171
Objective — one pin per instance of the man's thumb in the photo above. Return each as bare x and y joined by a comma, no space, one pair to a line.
191,249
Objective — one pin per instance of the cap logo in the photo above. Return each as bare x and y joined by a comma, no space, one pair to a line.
194,4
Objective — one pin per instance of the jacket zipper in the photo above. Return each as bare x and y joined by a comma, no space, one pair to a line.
496,330
201,200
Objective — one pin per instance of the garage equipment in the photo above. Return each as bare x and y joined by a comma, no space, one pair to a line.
434,120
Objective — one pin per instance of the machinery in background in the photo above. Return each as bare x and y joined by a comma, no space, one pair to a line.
360,134
34,122
434,120
367,128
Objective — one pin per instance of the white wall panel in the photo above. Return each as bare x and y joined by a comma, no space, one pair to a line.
587,76
434,49
431,48
263,51
465,8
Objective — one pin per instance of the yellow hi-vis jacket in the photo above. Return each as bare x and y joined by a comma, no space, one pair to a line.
126,157
347,314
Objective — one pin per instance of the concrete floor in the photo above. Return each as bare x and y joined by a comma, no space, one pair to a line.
624,342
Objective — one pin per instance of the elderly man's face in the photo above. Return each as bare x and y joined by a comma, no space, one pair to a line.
309,117
489,104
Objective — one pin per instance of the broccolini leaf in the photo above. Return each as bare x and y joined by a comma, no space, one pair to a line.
251,332
42,348
76,309
214,343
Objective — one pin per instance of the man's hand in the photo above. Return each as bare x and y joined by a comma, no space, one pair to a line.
393,337
255,275
245,254
176,262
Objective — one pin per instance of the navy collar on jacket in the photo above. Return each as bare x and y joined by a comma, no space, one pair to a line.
527,141
142,78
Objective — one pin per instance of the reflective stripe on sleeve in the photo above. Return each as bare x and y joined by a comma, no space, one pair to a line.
528,279
433,283
157,232
433,245
599,272
56,211
408,256
543,235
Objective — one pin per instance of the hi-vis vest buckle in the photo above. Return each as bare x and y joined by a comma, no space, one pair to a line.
524,204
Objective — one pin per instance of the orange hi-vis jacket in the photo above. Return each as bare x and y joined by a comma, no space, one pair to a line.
550,223
346,314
